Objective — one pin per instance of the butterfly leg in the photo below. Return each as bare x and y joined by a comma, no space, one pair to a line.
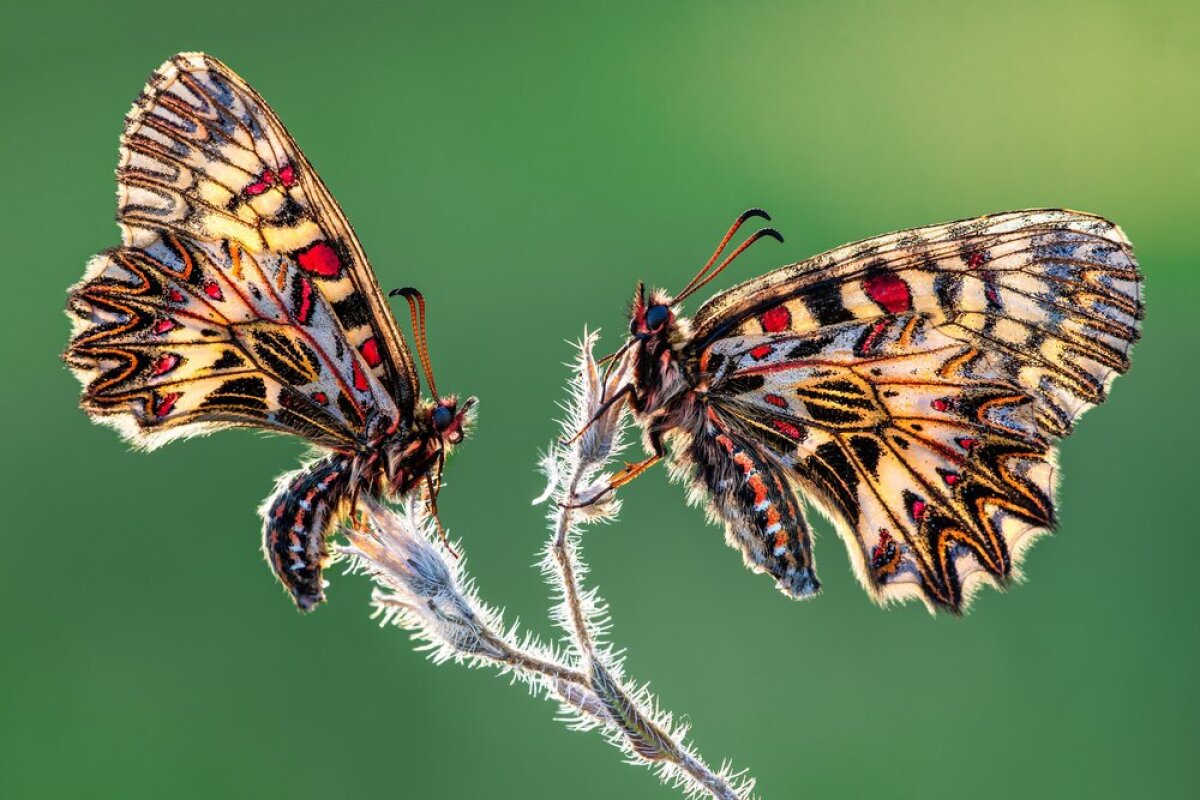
627,390
431,498
629,472
632,471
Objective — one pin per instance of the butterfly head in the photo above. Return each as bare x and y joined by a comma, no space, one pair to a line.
449,421
653,319
650,318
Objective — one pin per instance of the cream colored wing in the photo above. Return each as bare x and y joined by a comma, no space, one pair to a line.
204,157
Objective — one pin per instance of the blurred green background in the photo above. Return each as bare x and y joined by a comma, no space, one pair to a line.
525,164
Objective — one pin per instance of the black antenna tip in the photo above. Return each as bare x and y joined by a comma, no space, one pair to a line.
774,234
405,291
753,212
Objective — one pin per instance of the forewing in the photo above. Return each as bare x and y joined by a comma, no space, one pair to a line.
204,157
1051,299
933,470
183,337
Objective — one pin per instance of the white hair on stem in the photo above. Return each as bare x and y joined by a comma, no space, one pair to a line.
425,591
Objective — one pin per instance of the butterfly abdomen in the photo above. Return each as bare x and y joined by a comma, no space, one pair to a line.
296,522
754,500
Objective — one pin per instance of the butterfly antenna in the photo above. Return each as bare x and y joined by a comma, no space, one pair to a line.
416,307
754,237
748,214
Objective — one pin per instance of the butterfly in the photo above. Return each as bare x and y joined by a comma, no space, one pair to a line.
913,387
240,297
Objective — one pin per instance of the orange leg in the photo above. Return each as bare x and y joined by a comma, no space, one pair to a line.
631,471
623,477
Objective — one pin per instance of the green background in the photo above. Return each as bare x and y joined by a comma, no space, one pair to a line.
525,165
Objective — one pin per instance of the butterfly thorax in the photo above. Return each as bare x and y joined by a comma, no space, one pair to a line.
392,466
393,459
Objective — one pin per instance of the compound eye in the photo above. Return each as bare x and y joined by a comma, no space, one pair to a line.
656,317
442,417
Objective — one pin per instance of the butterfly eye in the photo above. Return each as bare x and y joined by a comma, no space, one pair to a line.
442,417
656,316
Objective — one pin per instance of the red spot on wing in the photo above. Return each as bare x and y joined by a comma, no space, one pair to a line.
287,175
360,380
873,337
166,362
320,259
163,325
370,351
321,398
213,290
966,443
889,291
776,319
884,550
175,296
761,352
941,404
305,306
775,400
261,185
950,478
164,404
977,259
916,506
787,429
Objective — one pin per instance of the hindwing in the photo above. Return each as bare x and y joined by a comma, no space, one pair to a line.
185,337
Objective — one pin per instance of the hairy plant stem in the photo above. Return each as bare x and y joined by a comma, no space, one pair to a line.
566,570
634,724
425,591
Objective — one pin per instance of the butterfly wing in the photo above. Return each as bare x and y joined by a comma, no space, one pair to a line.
914,385
185,337
241,295
1053,298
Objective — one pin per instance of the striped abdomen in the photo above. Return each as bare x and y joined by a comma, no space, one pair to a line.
296,522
